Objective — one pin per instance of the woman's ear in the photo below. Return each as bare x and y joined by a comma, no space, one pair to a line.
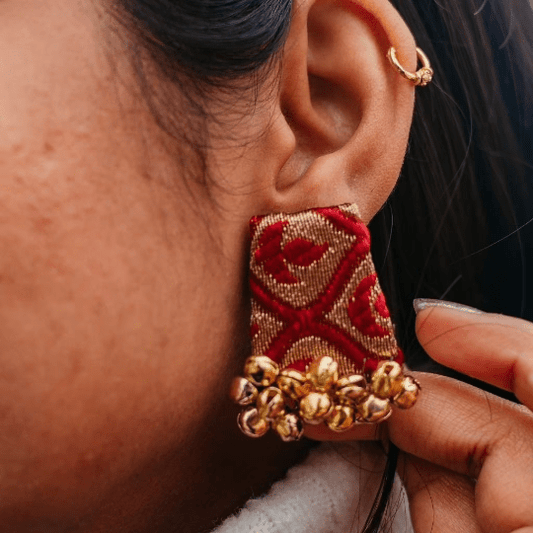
348,111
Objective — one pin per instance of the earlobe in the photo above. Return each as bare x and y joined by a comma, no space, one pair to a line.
348,108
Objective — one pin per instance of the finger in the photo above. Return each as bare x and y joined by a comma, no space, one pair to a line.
439,499
473,433
493,348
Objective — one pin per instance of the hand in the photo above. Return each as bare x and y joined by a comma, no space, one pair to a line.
467,458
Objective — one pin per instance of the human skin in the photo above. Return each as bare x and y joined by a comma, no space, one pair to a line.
123,283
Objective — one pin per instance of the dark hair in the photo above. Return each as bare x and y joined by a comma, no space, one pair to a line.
464,183
211,40
467,177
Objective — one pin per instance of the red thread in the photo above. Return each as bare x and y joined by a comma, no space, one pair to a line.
309,321
302,252
254,330
269,254
360,310
381,306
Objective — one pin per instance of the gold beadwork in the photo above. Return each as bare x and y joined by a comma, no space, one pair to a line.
270,403
421,77
289,427
243,392
252,424
387,379
409,394
284,400
323,373
261,370
374,409
293,383
315,407
352,389
342,418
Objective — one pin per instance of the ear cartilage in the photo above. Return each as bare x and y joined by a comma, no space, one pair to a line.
422,77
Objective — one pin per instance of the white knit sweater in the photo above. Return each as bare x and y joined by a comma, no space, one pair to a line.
330,492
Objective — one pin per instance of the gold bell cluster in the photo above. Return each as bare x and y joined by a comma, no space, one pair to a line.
284,399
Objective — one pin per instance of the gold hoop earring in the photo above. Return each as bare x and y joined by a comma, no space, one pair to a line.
421,77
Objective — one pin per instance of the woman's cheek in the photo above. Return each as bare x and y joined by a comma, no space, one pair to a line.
98,320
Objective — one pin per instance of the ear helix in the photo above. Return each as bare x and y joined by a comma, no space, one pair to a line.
421,77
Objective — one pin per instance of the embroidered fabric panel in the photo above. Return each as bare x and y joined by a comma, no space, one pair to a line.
315,291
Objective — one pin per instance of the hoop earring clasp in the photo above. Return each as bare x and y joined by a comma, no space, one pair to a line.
421,77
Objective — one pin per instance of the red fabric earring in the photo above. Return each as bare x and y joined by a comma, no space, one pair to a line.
323,344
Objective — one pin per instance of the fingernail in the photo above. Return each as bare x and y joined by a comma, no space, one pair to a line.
426,303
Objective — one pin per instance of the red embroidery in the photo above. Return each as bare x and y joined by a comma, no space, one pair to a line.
270,254
304,253
381,306
254,330
274,258
360,309
356,326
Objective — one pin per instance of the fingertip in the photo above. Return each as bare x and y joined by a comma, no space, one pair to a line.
522,383
421,304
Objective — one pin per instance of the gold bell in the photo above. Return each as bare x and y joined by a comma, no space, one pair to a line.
323,373
387,379
315,407
251,423
243,392
341,418
409,394
289,427
293,384
374,409
261,370
270,403
351,389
